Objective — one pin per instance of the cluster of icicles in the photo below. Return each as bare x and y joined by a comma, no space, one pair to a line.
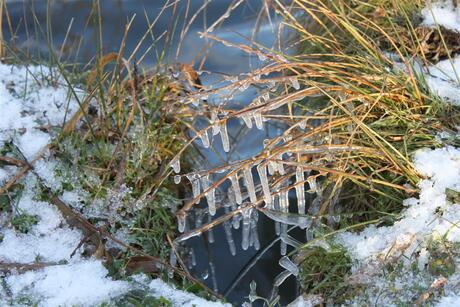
276,207
276,204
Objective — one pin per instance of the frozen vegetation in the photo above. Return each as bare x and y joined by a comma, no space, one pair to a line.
40,255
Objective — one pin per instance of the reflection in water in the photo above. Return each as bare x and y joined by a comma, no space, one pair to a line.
77,24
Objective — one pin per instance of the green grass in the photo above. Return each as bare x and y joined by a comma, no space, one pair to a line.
325,272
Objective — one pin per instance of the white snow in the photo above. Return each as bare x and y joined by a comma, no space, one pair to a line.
442,13
442,167
449,301
81,283
443,79
178,297
32,104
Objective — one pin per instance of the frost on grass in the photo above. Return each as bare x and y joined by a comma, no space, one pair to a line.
35,103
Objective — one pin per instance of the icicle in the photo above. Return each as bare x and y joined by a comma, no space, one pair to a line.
236,221
276,205
284,207
300,189
315,205
302,221
177,179
291,241
236,189
192,257
302,124
262,170
172,263
295,83
204,139
287,264
309,235
186,236
312,183
213,276
210,196
205,275
254,233
215,129
172,258
283,243
246,228
247,174
277,228
210,231
198,218
284,201
194,180
280,165
229,236
175,164
258,120
281,277
266,96
181,221
224,137
271,168
247,120
211,235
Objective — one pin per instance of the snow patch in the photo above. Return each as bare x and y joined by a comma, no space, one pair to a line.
442,13
178,297
82,283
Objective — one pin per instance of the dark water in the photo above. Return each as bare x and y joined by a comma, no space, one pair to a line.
81,46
